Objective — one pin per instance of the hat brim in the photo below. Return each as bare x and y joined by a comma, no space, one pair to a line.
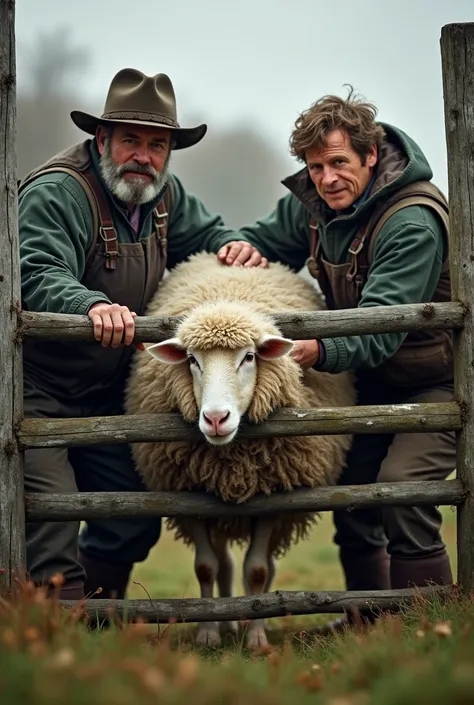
183,136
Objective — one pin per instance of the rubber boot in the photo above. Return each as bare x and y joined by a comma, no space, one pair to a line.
72,591
69,591
362,571
104,581
421,571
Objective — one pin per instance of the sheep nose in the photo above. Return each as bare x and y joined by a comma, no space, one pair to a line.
215,418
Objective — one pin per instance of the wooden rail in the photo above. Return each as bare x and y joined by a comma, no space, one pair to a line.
12,514
457,55
105,505
95,430
273,604
301,325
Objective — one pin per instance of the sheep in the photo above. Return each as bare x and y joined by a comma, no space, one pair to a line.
228,359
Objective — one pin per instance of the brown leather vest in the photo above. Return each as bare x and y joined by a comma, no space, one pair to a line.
425,357
128,274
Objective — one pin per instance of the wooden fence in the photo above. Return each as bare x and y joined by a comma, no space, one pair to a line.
18,434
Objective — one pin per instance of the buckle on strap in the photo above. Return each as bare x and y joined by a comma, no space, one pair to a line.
313,267
356,245
103,233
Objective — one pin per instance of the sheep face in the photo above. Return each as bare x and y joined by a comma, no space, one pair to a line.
224,380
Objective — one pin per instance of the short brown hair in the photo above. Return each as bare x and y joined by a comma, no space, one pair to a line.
353,115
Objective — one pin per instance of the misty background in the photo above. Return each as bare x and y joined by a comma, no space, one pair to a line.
246,69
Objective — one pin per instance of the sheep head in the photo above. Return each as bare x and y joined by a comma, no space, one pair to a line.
223,344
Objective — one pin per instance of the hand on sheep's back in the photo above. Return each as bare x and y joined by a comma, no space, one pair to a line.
305,353
240,253
114,325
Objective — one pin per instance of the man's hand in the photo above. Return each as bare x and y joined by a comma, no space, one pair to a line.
239,253
113,325
305,353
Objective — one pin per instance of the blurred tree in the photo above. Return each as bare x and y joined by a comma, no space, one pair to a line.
50,72
52,62
236,171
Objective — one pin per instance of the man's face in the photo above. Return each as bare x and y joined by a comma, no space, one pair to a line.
134,161
337,170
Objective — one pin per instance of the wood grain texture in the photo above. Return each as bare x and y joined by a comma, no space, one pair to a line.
457,55
302,325
409,418
275,604
12,512
106,505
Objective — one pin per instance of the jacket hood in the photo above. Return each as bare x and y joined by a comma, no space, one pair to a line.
401,161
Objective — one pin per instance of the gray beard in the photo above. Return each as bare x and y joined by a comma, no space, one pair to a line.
132,191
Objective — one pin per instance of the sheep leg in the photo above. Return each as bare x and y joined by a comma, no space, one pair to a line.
271,571
271,575
206,569
258,574
225,577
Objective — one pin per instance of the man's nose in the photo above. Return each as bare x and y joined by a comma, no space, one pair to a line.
142,156
329,176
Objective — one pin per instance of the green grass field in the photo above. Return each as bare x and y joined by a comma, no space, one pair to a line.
424,655
311,565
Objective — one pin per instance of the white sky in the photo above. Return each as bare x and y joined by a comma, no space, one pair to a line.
263,61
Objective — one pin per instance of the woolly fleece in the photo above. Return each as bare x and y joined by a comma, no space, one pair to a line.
231,307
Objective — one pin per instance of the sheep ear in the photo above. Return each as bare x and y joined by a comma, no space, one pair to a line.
170,351
274,346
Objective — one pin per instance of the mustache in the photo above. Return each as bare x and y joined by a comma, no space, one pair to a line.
134,167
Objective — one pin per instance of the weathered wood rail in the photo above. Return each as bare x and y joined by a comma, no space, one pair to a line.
17,434
276,604
94,430
457,55
105,505
301,325
12,516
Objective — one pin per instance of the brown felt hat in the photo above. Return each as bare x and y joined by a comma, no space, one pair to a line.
137,99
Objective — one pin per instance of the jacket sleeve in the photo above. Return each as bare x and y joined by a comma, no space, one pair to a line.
55,229
192,227
283,234
408,257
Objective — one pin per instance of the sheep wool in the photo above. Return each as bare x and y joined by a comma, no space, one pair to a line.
231,307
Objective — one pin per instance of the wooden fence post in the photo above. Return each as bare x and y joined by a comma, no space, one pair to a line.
457,54
12,511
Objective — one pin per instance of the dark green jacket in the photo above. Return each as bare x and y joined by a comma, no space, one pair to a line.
408,254
55,224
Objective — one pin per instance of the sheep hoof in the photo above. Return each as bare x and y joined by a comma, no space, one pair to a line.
257,639
208,635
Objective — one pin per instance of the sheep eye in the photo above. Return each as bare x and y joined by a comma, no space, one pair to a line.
192,360
249,357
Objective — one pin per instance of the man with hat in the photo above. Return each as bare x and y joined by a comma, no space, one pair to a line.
99,223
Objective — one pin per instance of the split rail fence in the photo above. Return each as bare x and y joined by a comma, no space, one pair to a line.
18,434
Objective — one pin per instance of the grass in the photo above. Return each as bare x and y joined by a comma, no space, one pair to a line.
424,655
311,565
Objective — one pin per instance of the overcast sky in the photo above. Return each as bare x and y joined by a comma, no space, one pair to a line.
263,61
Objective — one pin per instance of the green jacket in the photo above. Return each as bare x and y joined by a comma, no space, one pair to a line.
408,254
55,228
